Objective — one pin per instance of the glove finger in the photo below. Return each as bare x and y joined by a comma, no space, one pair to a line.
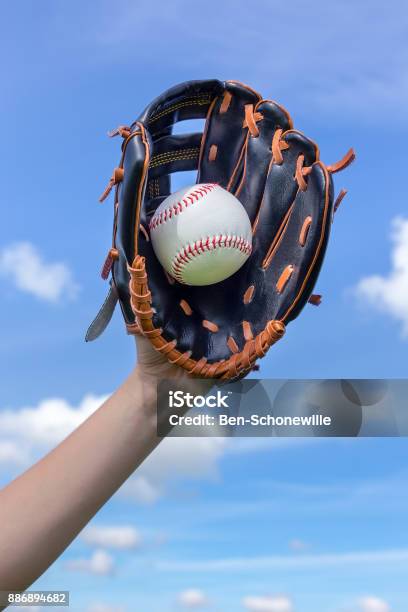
280,190
224,138
262,121
292,268
128,212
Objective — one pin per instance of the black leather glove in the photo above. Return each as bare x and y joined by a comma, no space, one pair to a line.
250,148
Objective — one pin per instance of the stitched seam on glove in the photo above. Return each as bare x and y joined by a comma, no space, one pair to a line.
200,101
165,158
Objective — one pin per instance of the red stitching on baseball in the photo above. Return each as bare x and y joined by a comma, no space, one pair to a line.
181,205
187,253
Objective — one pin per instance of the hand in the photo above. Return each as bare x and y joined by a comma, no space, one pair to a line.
153,364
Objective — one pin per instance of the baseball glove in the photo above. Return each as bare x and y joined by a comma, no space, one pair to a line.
250,148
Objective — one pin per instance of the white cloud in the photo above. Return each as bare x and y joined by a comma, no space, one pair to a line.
278,603
193,598
11,453
118,537
389,293
287,562
99,564
23,265
373,604
26,431
193,458
141,490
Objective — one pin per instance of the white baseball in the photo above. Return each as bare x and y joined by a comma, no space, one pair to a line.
201,235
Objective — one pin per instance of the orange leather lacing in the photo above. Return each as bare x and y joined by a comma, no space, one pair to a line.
121,130
345,161
278,146
339,199
185,306
241,361
238,364
251,120
315,299
302,171
116,178
112,256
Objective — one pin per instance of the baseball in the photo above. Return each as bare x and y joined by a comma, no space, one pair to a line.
201,234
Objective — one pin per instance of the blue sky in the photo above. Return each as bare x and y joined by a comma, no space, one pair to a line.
297,526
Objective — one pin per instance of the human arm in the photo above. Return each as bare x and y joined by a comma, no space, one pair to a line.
45,508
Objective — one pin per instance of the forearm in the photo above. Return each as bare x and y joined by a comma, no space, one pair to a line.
43,510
